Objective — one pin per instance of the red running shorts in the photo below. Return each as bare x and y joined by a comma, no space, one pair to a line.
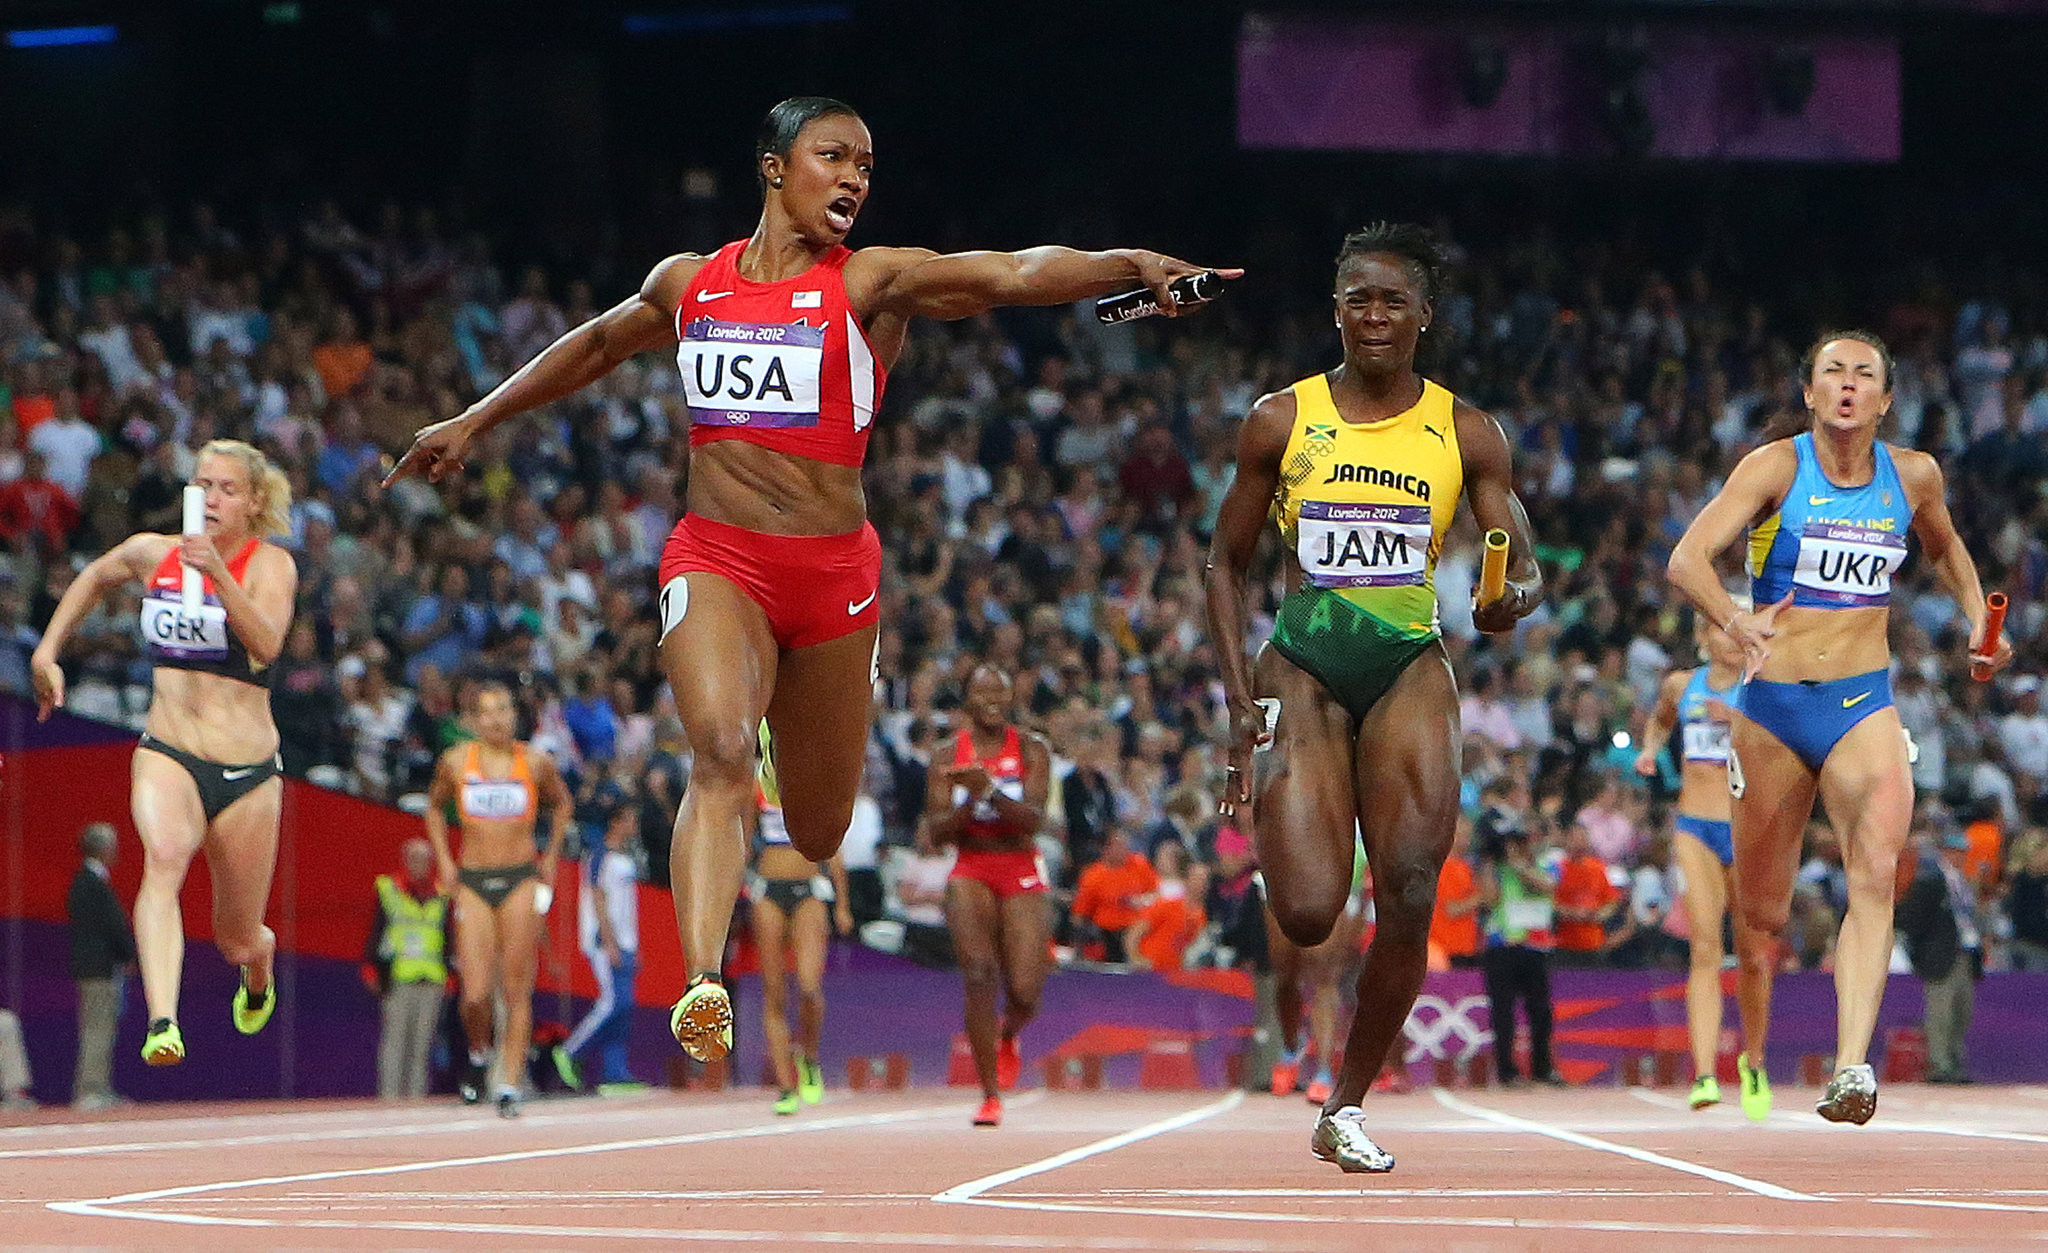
814,588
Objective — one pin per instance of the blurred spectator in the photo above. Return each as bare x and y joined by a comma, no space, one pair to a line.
1237,907
408,958
102,950
1159,938
15,1076
1454,928
1519,896
1109,897
1612,833
305,699
608,930
36,513
921,875
1587,900
1937,916
67,444
2026,900
2023,736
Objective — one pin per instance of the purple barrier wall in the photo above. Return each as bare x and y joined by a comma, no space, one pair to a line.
1348,84
880,1005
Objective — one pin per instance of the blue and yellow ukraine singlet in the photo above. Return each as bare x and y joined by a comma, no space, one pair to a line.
1702,736
1832,547
1364,508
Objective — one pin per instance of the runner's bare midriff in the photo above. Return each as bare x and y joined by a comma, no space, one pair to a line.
212,717
759,489
1824,644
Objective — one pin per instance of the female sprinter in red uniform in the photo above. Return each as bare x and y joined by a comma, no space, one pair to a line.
1828,511
991,802
206,771
768,583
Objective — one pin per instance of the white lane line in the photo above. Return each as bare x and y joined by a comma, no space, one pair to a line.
357,1131
103,1206
1923,1128
1744,1182
1939,1204
1324,1194
970,1191
856,1239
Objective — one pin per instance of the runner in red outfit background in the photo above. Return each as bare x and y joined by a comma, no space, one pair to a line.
991,802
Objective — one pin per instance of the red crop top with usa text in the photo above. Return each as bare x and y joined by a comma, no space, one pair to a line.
784,365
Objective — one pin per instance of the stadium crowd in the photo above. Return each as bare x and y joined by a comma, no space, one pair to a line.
1045,487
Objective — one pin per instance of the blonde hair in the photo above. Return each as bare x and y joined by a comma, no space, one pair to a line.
273,490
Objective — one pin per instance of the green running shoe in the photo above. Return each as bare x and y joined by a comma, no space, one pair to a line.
810,1080
250,1012
702,1021
1706,1090
1756,1089
565,1068
164,1044
788,1102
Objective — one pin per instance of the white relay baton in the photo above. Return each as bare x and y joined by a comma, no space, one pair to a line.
192,585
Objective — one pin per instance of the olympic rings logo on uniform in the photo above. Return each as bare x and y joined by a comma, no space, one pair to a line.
1427,1033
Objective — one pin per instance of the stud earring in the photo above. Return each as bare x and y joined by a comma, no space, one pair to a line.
775,182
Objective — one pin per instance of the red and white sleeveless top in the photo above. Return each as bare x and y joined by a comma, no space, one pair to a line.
202,641
1006,768
783,365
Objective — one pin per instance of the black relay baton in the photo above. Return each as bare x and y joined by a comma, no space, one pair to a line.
1189,289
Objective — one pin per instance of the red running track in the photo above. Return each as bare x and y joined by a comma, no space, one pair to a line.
1584,1170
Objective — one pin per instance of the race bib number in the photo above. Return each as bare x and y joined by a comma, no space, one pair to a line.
985,811
1848,565
751,374
1706,741
494,799
1364,545
200,636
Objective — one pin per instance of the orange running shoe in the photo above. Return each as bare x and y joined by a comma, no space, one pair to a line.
1286,1075
1009,1064
990,1114
1320,1087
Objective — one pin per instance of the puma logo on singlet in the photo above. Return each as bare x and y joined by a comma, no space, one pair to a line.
1439,434
1413,484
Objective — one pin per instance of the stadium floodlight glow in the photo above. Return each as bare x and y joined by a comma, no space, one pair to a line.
62,36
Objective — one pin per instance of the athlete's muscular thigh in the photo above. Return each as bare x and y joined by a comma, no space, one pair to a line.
1302,823
1407,770
720,660
820,714
1767,821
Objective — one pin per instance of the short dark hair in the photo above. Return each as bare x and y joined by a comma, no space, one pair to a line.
787,120
1417,245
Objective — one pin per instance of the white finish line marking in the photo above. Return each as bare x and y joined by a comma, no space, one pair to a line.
103,1206
1744,1182
970,1192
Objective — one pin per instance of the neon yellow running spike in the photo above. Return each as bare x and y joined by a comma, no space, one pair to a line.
1706,1090
702,1021
810,1080
1756,1089
164,1044
249,1021
787,1103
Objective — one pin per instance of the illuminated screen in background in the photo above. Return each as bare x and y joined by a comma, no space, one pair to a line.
1385,85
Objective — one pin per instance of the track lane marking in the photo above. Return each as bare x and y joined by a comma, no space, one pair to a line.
1758,1186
